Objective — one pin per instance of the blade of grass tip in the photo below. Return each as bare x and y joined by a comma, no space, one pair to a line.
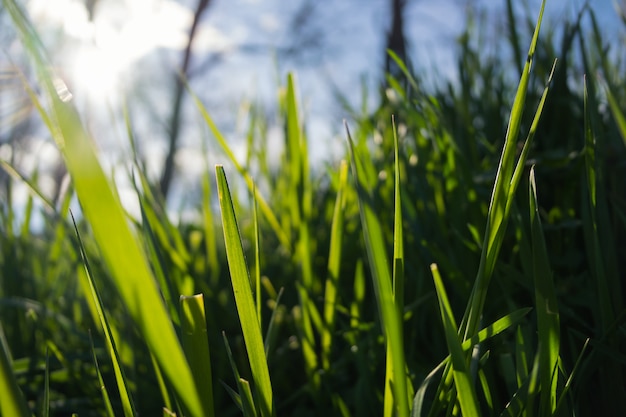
196,347
502,192
240,281
103,210
120,378
334,266
105,394
548,327
264,207
246,398
462,379
381,277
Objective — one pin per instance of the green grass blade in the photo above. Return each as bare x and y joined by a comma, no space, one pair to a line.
240,281
460,371
381,277
299,202
503,191
103,389
196,347
102,208
244,400
570,379
209,226
12,402
548,326
398,274
334,267
120,378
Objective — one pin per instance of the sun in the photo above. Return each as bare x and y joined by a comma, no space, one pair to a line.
100,49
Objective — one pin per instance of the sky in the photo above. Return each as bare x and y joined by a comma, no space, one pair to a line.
131,48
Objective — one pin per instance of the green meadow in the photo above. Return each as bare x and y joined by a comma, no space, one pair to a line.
465,258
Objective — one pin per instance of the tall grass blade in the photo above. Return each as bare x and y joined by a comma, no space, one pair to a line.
209,225
460,371
120,378
334,267
240,281
299,201
548,326
196,347
102,208
501,197
381,277
103,389
397,275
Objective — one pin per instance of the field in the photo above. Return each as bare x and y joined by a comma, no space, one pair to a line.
464,258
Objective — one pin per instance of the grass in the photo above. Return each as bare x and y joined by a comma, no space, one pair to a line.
465,262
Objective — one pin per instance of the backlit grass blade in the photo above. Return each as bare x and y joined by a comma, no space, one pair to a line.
299,201
501,197
381,277
120,378
240,281
101,206
548,326
334,266
196,346
462,379
398,275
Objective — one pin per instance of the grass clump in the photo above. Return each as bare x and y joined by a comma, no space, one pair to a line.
469,265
